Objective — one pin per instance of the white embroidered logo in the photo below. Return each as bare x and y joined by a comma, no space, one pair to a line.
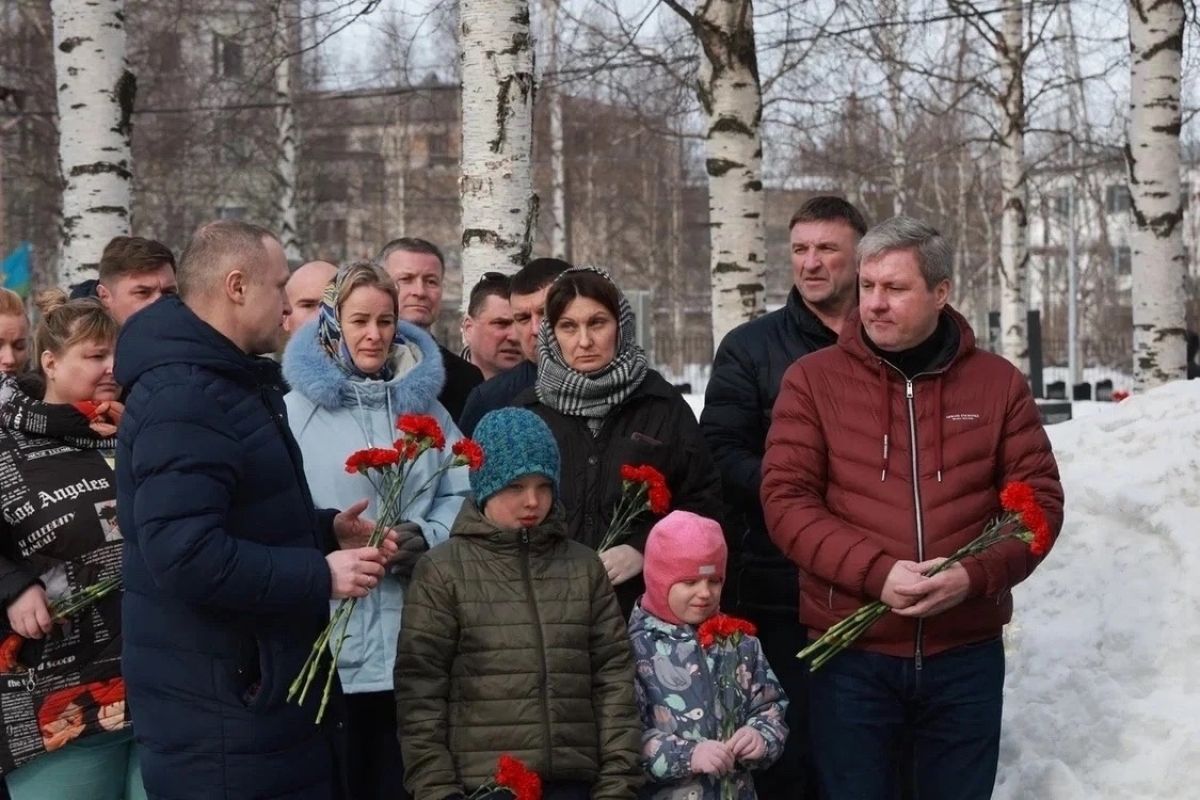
708,569
962,417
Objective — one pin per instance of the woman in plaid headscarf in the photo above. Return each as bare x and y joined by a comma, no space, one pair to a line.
607,408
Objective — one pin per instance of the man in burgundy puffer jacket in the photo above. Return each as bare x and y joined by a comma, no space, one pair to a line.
886,454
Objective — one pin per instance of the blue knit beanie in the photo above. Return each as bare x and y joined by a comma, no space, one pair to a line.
516,442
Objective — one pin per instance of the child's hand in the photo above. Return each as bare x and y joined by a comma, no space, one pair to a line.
712,758
747,744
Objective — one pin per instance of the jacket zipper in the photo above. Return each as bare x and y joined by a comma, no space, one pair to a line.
544,672
716,690
916,483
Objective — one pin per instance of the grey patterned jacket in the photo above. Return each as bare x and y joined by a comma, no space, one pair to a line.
684,694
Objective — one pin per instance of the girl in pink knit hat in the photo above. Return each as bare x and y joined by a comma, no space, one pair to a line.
711,707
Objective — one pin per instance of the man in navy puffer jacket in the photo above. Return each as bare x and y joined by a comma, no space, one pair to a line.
227,581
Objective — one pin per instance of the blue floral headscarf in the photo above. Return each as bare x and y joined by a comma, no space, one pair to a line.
329,333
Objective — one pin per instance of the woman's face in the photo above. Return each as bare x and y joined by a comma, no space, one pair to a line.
368,318
587,334
81,372
14,343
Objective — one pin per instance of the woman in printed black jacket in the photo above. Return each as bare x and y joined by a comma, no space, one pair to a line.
66,733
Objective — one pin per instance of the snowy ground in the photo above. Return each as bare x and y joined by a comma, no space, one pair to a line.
1100,699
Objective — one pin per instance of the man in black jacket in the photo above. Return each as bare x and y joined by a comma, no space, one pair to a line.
527,295
762,584
419,269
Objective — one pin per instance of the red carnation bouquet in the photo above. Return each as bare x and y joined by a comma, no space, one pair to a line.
388,469
724,631
643,488
1023,520
511,775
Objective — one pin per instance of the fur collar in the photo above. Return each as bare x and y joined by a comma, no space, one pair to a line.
310,371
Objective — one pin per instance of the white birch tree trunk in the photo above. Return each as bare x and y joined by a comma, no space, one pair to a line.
287,226
1152,154
559,244
95,104
499,207
1014,230
731,96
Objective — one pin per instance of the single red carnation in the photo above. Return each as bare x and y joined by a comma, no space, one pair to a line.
384,457
1018,498
517,778
722,628
370,458
468,452
422,427
660,499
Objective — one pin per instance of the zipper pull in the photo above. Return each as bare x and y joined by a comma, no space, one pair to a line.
908,392
525,537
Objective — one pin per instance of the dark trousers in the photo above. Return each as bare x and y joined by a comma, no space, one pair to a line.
791,776
374,770
874,718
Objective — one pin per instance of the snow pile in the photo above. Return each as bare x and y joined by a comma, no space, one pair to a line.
1102,697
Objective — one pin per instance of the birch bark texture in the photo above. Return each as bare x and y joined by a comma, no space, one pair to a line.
96,91
559,244
1014,221
287,226
499,206
730,94
1153,158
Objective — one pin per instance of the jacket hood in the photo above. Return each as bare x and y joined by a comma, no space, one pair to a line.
472,522
310,371
168,332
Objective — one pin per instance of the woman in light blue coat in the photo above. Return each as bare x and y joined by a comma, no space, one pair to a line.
352,372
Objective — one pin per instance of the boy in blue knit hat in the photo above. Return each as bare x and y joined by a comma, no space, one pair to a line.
512,642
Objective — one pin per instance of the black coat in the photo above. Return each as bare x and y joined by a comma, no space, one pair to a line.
461,379
496,392
654,426
226,583
742,389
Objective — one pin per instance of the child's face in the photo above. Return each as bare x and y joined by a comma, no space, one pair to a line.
524,503
695,601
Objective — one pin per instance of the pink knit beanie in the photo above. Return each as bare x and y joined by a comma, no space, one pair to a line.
682,547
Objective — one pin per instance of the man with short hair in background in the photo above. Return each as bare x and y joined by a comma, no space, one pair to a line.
887,453
134,272
305,288
419,270
488,333
762,584
528,288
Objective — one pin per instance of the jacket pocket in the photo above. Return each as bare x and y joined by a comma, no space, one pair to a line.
246,680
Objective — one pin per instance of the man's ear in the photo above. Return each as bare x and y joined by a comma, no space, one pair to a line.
236,284
104,294
941,293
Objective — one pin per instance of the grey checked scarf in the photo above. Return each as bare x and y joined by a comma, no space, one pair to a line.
592,395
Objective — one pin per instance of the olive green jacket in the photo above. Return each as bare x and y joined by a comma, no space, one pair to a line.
512,642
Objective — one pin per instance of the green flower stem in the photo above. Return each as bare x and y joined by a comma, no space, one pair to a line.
72,603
